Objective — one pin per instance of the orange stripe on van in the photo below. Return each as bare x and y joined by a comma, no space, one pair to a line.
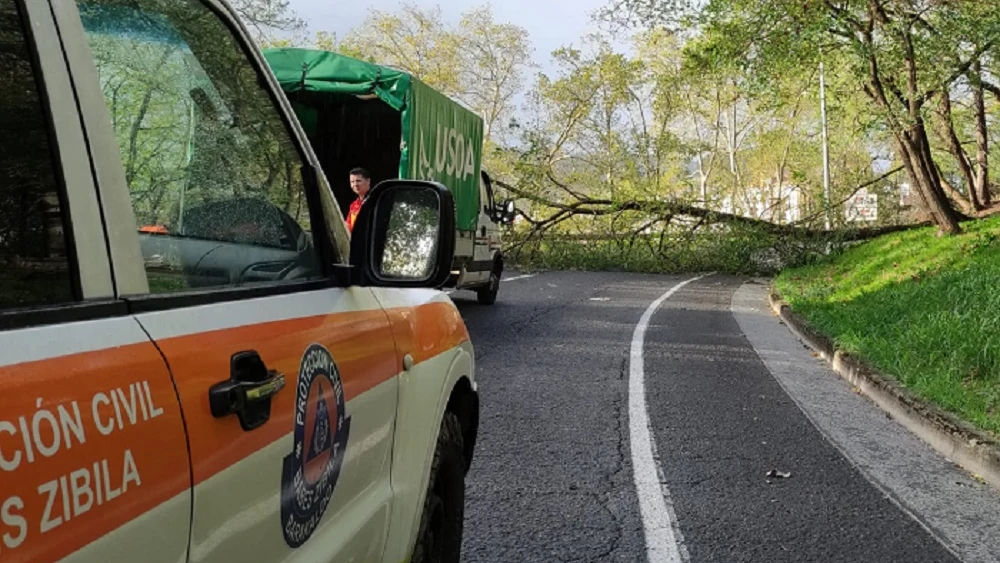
362,344
427,330
151,431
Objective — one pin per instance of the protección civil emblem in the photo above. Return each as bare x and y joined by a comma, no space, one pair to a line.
309,473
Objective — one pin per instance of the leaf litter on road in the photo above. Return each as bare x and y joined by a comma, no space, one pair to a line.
775,474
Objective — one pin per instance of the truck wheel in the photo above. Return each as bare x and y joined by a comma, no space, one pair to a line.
488,294
440,536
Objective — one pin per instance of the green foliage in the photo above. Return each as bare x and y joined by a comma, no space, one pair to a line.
494,58
717,106
735,249
923,309
268,19
479,61
897,56
766,40
412,39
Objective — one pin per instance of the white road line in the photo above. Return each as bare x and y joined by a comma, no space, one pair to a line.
664,543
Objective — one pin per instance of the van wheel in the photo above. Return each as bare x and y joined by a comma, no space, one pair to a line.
439,539
488,295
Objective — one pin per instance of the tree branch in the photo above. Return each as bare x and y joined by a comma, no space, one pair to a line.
599,207
991,88
960,71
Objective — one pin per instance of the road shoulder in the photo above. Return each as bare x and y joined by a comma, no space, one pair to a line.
961,512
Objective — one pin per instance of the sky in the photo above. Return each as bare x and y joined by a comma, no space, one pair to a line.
550,23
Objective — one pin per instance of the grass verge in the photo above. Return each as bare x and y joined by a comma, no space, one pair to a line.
922,309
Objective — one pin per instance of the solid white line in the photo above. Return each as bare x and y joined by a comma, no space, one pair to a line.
664,543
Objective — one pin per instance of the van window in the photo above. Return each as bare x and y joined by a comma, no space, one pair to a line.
34,268
215,179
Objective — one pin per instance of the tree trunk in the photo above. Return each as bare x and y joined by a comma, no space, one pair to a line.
982,186
732,144
947,131
919,150
948,218
915,152
954,194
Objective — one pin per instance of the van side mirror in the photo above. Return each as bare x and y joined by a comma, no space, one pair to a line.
405,235
507,212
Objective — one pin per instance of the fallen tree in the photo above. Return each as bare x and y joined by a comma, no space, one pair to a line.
666,227
664,210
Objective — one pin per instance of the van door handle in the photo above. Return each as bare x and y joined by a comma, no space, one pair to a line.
248,391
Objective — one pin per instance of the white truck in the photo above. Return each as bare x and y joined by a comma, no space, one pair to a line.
356,113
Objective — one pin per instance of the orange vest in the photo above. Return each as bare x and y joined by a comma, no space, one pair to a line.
352,214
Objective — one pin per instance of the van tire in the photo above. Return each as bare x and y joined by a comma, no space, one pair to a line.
487,295
439,539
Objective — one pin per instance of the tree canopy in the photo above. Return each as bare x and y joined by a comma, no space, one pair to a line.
714,114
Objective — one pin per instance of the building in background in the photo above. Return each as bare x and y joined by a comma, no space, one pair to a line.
778,203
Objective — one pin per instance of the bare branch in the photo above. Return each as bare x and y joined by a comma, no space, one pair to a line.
991,88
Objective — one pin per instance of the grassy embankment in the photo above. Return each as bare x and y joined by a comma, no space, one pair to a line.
921,309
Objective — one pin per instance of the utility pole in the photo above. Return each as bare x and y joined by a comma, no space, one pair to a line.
826,150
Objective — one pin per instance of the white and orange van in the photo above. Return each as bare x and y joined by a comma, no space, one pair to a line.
197,362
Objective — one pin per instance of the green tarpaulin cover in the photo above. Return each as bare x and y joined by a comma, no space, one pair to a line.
442,141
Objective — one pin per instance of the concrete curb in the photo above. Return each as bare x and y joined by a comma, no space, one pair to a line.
955,439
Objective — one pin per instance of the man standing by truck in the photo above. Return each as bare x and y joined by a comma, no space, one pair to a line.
360,182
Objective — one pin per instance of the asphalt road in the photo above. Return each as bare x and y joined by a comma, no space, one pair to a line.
729,398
